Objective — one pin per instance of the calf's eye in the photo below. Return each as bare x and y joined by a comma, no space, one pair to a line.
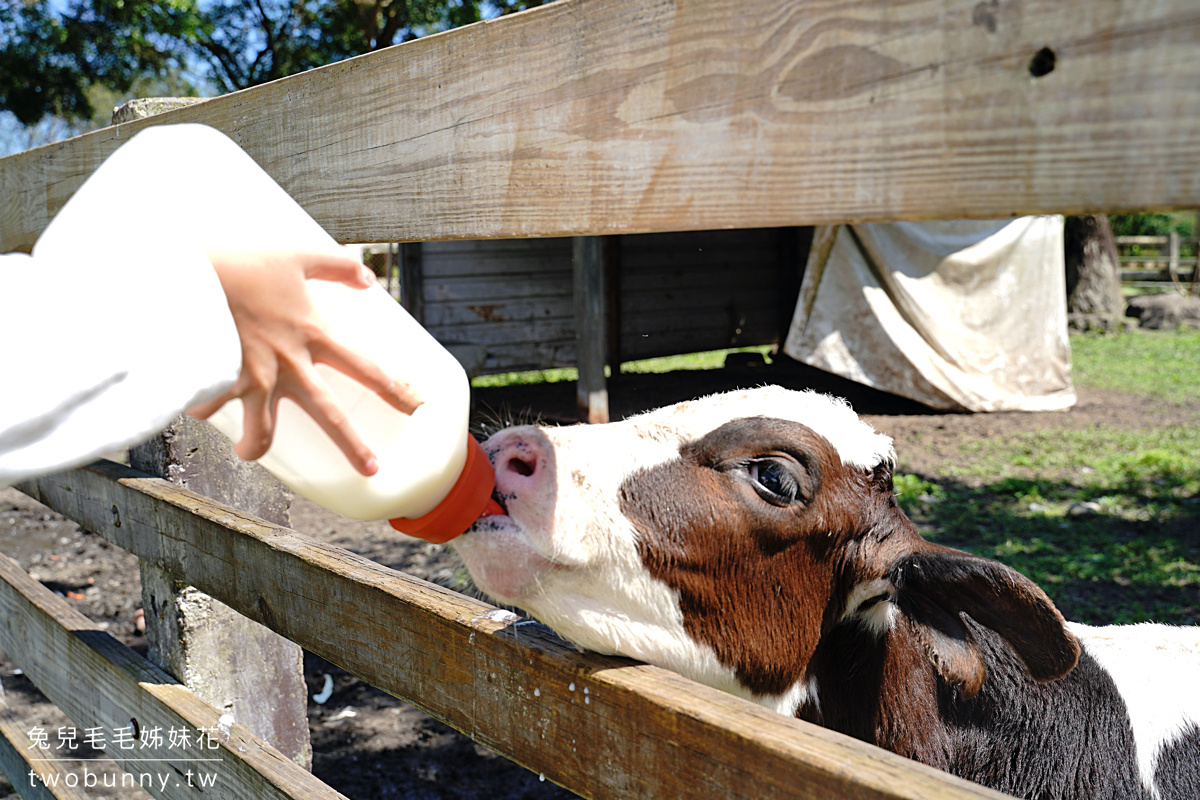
773,480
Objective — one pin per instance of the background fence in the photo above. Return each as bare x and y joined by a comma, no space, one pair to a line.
1160,262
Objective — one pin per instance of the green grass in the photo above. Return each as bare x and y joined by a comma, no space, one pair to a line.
1104,554
713,359
524,378
1153,364
1106,521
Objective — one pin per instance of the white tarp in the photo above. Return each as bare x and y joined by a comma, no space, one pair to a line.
958,315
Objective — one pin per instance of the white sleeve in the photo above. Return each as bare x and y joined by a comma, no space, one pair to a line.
117,321
104,347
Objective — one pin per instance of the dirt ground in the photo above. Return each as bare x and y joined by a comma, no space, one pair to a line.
368,744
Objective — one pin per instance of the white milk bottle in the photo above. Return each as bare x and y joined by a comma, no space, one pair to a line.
433,479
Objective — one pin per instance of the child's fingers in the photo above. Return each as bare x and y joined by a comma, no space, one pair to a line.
336,268
323,406
352,364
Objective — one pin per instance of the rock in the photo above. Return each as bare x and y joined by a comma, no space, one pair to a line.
149,106
1100,323
1081,509
1165,311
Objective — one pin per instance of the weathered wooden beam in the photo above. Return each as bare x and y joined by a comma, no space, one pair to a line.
1173,258
603,727
33,778
610,116
100,683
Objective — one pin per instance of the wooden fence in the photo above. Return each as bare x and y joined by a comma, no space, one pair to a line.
1157,261
584,118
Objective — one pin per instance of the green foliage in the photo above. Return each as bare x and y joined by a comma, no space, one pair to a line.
52,52
49,59
1153,224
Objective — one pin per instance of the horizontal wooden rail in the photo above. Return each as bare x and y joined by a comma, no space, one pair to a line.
99,683
1157,241
612,116
603,727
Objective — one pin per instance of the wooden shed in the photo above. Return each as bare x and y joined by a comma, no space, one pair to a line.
506,305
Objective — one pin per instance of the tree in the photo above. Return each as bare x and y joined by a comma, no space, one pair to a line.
1148,224
254,41
1094,300
249,42
49,60
51,54
15,137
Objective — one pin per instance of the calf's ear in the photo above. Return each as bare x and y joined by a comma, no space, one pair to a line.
935,587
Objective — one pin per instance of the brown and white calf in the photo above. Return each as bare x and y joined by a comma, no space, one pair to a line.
752,542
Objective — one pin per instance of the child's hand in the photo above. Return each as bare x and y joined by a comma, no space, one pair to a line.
283,337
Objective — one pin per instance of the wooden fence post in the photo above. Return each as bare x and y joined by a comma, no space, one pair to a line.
588,267
1195,288
231,662
1173,257
410,258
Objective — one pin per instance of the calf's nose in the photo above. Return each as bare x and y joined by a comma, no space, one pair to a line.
520,457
